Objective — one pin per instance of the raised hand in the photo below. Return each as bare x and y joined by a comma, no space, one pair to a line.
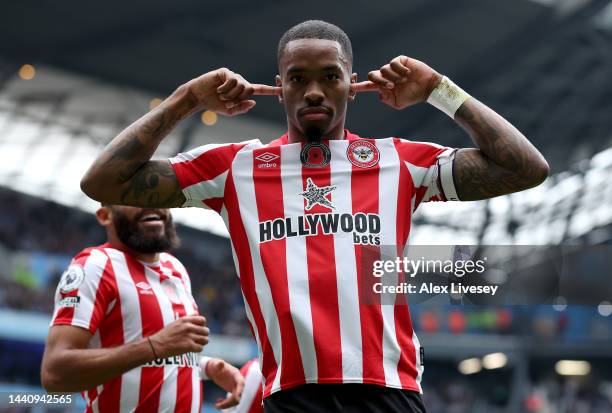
401,83
223,91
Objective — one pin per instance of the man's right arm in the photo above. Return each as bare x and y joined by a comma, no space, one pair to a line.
69,366
124,173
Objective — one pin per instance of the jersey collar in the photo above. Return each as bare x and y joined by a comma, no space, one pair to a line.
284,139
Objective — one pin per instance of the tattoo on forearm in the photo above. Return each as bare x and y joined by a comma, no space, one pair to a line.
143,182
477,177
144,187
505,162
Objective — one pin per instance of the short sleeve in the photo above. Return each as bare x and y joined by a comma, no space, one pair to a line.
85,291
431,169
202,173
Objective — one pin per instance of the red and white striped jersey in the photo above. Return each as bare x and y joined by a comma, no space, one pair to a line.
298,234
251,400
120,299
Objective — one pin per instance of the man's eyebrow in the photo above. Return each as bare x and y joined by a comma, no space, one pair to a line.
325,69
332,67
295,69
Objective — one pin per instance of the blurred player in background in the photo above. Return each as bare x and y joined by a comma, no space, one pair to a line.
126,330
302,210
251,400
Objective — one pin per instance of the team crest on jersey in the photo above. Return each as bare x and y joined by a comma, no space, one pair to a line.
317,195
72,279
315,155
363,154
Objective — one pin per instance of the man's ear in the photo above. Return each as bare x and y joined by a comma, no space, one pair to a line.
104,216
352,94
279,83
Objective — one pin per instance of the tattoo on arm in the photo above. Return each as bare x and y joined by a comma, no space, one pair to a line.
153,185
477,177
505,161
129,174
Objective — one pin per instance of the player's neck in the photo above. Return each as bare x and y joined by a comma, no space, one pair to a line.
140,256
295,136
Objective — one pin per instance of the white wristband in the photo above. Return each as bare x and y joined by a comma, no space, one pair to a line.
203,362
447,97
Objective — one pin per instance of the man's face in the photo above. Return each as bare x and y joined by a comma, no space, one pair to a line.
315,77
146,230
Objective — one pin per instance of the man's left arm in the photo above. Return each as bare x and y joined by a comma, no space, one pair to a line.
504,160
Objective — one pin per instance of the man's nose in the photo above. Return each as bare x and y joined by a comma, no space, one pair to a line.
314,94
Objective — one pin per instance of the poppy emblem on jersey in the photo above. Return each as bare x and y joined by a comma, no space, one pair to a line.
317,195
315,155
72,279
363,154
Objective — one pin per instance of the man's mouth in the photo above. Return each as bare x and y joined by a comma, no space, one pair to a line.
315,113
151,217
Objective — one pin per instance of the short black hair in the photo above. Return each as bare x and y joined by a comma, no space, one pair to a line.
317,29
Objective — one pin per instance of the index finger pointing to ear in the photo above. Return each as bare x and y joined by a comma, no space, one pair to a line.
366,86
266,90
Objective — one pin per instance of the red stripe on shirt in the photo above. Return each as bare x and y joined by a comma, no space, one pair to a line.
214,203
269,199
207,165
240,242
105,293
111,335
403,323
365,190
185,373
152,377
322,283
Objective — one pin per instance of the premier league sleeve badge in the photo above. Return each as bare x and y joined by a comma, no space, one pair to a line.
72,279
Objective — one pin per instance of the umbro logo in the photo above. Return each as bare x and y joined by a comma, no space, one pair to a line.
267,157
267,160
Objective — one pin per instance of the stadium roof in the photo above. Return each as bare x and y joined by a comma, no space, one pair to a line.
512,55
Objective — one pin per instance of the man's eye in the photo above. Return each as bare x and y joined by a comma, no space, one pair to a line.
332,76
296,78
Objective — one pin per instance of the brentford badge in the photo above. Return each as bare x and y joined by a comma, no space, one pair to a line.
315,155
363,154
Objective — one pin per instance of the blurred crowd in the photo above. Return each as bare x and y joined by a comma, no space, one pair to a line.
542,396
38,238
